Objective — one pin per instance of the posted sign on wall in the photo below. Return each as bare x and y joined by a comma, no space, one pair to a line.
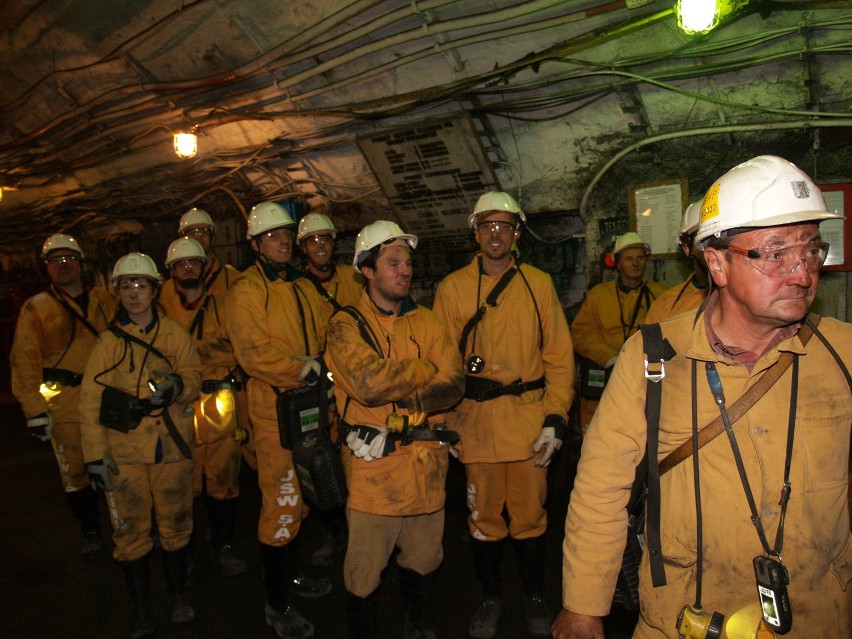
432,173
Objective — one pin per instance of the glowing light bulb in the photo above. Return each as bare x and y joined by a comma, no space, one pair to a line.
697,16
186,145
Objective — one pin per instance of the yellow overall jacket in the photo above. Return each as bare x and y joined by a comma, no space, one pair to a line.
520,340
816,550
418,364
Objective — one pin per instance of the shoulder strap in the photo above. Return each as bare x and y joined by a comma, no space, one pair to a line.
658,351
323,293
490,301
743,404
212,278
132,338
367,333
82,318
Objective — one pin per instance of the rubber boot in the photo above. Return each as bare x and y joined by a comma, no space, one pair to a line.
284,619
301,584
486,564
417,595
531,558
84,505
175,565
363,617
221,514
138,575
334,542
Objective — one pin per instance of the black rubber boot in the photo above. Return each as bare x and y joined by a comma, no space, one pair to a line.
417,598
284,619
138,575
175,565
486,564
84,505
221,514
363,618
531,558
301,584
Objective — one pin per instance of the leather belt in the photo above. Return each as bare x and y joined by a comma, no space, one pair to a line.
61,376
418,434
210,386
482,389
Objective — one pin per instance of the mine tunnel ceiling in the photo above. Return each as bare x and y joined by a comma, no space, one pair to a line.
395,108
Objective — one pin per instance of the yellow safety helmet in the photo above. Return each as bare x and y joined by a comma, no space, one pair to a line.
495,201
60,241
764,191
267,216
195,218
376,234
314,223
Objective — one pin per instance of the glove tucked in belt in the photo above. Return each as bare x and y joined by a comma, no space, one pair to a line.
482,389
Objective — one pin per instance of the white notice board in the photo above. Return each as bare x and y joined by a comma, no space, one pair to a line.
656,211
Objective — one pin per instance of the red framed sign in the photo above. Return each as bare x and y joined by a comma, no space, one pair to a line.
838,197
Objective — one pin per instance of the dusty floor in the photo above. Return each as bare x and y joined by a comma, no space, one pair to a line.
47,591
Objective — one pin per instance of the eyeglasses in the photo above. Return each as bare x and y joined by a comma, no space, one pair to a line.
196,232
319,239
496,227
63,259
783,260
188,265
134,284
279,234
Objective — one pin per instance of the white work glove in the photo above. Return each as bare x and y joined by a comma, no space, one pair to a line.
99,473
167,390
550,439
311,370
366,442
41,427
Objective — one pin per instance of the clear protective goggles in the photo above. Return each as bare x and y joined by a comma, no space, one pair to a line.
780,261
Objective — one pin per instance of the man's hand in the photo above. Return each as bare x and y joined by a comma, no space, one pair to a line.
167,390
366,442
550,439
41,427
570,625
311,370
99,473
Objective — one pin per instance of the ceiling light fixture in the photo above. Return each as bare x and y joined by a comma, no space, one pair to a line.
186,144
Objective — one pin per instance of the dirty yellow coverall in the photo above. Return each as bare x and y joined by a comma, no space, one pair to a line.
215,453
603,324
675,300
404,488
269,333
497,435
47,336
817,547
152,470
345,286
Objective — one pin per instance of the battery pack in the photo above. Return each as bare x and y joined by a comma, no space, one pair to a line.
320,472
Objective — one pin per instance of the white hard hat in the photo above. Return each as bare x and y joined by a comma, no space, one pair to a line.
267,216
631,238
764,191
185,249
60,241
314,223
135,265
375,234
194,218
495,201
691,216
